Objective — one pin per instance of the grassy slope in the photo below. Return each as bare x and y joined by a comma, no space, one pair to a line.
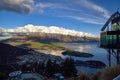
24,41
37,45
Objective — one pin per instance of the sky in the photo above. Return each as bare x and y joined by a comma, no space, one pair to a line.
80,15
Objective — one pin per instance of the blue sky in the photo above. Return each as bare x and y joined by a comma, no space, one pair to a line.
81,15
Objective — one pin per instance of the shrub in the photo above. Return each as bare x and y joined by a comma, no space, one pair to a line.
83,76
3,76
96,76
110,73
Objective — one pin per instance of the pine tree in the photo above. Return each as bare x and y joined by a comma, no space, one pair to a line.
56,68
73,68
49,68
69,68
41,68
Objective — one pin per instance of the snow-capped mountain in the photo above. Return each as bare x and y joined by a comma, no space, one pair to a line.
50,29
2,30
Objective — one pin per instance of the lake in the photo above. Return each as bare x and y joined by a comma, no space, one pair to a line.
92,48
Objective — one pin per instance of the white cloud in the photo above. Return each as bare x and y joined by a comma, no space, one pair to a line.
95,7
87,20
73,10
49,5
19,6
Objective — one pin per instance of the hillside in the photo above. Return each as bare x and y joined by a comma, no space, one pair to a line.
44,41
9,53
34,42
59,37
49,37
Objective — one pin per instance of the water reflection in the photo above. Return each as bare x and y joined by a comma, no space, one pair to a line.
92,48
87,70
83,48
99,54
52,52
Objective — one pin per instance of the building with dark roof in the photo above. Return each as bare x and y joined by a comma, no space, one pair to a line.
110,37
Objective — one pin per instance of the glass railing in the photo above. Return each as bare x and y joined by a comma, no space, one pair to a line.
108,40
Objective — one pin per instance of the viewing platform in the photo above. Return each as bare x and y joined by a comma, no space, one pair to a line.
110,33
110,37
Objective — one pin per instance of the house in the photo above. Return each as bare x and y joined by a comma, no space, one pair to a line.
110,37
18,75
110,32
59,76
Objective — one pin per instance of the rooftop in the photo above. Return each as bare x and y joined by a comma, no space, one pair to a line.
24,76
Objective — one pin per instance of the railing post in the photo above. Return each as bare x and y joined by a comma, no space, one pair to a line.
118,57
109,57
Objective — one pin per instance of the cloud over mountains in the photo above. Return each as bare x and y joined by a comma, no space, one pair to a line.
48,29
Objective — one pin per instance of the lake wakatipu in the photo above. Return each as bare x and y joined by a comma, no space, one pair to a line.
87,47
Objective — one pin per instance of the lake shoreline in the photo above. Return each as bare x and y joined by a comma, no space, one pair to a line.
77,53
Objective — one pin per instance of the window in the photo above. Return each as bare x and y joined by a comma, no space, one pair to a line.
114,39
114,27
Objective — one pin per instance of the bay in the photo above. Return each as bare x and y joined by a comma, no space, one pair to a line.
89,47
92,48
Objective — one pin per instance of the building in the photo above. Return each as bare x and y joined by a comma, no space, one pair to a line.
110,37
18,75
110,33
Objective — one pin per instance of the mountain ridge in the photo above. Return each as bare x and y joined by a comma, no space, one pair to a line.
45,29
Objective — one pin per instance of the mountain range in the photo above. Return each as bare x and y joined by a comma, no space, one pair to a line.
45,29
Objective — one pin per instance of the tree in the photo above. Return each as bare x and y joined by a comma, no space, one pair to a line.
26,67
41,68
49,68
68,68
3,76
56,68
